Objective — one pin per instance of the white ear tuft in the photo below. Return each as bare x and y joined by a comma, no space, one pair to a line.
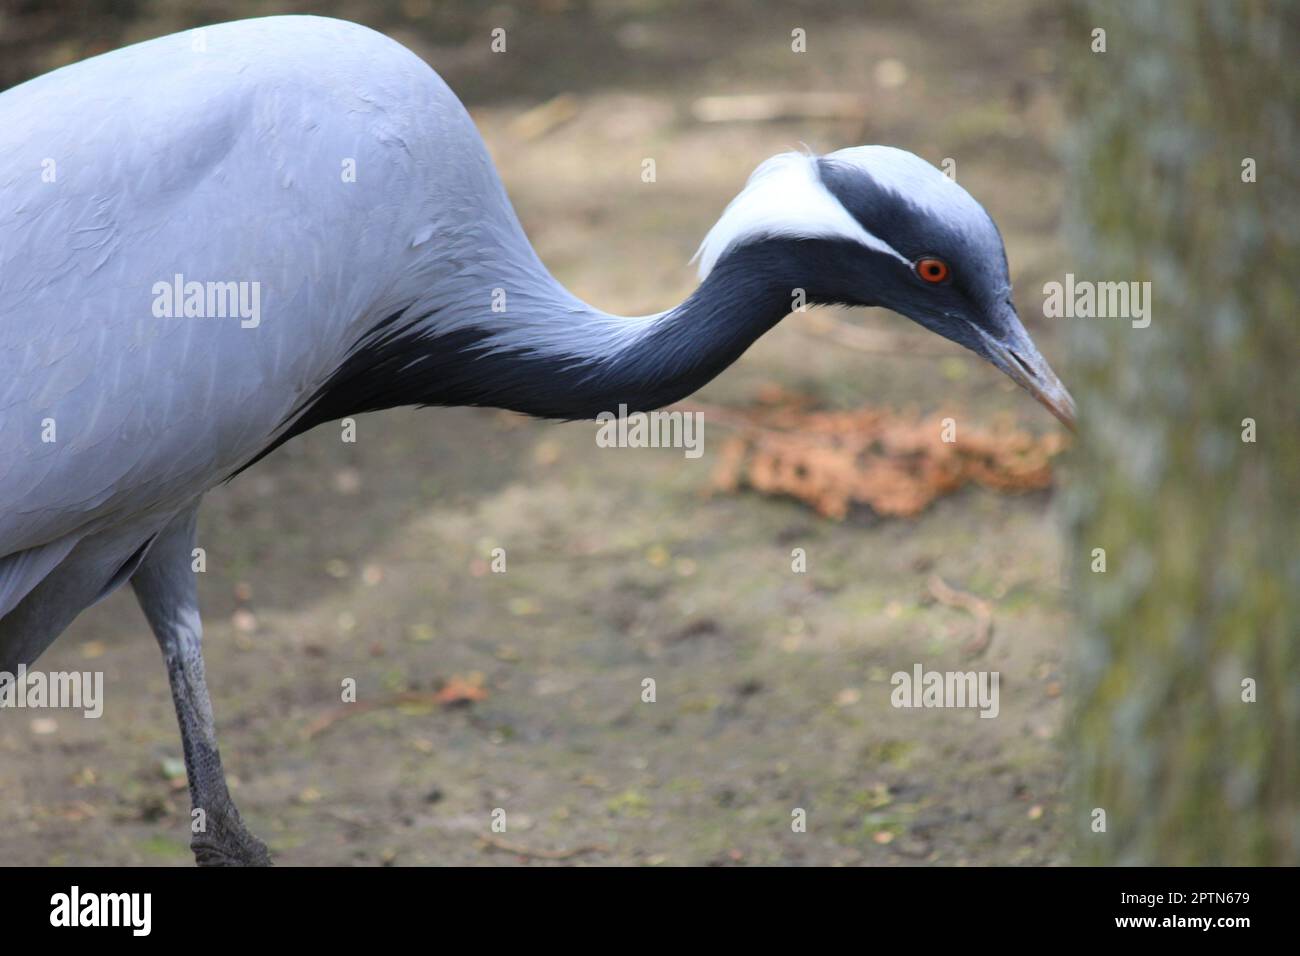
784,197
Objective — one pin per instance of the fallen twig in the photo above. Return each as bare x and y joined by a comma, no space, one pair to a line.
540,120
767,107
496,843
977,606
329,719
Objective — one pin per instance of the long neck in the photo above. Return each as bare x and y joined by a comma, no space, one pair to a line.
548,354
597,362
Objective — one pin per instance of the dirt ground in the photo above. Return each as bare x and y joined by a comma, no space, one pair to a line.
371,560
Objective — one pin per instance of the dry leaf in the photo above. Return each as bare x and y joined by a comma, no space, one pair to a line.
461,690
896,464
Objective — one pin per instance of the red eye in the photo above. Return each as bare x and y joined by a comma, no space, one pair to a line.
932,270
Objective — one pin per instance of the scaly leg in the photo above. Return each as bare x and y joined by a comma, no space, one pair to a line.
165,587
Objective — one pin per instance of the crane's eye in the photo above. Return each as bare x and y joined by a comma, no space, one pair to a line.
932,270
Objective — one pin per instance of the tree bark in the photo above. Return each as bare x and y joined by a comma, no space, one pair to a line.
1200,595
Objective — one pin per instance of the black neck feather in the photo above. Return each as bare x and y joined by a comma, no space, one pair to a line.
405,361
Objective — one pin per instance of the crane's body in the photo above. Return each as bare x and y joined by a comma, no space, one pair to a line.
215,240
227,165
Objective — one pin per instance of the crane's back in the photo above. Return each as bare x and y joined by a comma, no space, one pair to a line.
193,232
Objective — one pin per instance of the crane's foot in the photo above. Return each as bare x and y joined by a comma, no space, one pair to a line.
228,842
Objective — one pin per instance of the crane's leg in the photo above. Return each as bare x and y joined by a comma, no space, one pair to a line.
165,587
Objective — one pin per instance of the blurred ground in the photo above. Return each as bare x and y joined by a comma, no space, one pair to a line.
369,561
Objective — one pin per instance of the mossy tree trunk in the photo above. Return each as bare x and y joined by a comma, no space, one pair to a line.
1200,597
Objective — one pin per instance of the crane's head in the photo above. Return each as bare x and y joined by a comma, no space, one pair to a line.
879,226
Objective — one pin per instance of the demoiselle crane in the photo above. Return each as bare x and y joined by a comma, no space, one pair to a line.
210,243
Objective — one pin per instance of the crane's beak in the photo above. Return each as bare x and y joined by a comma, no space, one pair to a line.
1016,355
